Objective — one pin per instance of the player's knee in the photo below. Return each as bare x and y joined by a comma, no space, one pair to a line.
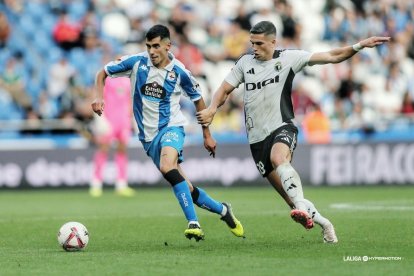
122,147
173,177
278,160
104,147
165,168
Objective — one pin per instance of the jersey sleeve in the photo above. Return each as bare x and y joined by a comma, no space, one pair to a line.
189,85
236,76
298,58
121,67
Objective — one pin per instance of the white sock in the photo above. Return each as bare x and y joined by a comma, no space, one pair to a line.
291,184
95,183
120,184
315,215
224,211
194,222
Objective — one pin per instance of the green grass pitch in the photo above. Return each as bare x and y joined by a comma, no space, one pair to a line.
144,235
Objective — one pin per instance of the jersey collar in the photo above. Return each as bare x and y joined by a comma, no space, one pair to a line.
276,54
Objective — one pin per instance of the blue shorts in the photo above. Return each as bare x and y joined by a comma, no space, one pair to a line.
167,137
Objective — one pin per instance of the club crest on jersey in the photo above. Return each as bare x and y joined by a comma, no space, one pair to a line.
171,76
153,91
278,66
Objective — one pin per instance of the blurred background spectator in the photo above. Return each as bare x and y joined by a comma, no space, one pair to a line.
4,29
50,51
66,33
316,126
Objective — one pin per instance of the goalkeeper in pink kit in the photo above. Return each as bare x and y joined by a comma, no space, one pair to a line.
113,126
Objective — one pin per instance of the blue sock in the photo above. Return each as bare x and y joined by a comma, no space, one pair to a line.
206,202
182,192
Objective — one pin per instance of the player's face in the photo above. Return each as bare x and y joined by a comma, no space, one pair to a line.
263,46
158,51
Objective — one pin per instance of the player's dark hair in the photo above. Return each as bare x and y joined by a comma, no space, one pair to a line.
264,27
158,31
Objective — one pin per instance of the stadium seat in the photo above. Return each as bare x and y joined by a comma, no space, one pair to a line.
28,26
55,54
36,10
48,22
5,54
77,58
43,42
8,110
32,59
77,10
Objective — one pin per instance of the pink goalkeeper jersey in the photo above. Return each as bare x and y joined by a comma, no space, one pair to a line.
117,97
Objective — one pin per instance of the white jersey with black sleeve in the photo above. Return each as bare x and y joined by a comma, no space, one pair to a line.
267,90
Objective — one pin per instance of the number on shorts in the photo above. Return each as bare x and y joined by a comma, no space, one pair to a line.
261,167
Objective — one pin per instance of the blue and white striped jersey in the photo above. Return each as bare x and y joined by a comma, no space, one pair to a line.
156,92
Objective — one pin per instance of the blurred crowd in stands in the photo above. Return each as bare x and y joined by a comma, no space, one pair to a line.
50,51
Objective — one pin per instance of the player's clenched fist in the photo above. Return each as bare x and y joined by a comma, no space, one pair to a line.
98,106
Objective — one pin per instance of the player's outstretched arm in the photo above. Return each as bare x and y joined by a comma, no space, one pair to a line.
340,54
98,104
205,117
209,142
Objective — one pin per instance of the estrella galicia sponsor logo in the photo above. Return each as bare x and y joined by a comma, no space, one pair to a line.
153,90
261,84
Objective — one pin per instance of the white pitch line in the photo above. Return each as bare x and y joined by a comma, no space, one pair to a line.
370,207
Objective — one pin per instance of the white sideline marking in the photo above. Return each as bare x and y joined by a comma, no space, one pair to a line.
370,207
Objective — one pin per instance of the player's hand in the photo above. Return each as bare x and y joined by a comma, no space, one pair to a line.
98,106
374,41
205,116
210,145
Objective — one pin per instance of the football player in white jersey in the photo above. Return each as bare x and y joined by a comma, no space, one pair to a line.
267,75
157,81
